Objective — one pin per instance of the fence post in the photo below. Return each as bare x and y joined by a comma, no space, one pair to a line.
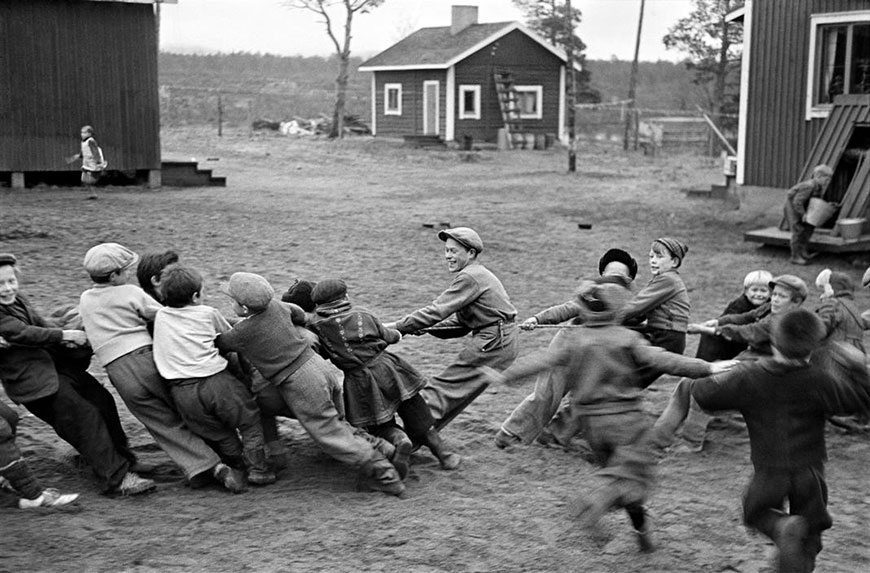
220,116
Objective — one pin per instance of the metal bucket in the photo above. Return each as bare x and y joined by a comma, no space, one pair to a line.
819,211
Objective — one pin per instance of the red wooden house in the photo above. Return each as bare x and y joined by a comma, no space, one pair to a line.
468,80
68,63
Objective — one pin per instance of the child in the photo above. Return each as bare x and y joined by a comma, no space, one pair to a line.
211,401
269,337
795,208
116,315
15,474
377,383
149,268
93,161
838,312
664,302
74,404
605,364
784,400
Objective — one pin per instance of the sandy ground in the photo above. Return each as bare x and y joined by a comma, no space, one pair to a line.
367,211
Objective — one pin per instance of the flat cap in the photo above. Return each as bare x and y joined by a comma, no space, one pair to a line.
791,282
106,258
8,259
250,290
328,290
466,237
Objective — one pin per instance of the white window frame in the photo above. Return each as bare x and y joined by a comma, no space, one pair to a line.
814,110
387,109
539,95
474,89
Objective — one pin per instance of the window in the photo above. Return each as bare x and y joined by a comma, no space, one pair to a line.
469,102
840,59
392,99
529,100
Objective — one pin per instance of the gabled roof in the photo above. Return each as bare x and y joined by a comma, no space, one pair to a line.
437,48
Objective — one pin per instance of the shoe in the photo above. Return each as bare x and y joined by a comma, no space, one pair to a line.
258,470
380,475
789,538
134,484
448,460
49,498
401,460
260,477
505,440
229,478
798,261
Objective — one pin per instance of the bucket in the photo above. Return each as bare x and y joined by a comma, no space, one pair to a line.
851,228
819,211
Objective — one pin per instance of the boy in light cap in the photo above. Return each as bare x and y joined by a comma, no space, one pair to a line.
116,316
784,400
271,337
603,366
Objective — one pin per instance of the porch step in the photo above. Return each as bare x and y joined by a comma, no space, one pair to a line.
424,140
822,240
188,174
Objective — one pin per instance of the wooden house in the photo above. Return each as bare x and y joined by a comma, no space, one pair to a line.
467,81
69,63
805,80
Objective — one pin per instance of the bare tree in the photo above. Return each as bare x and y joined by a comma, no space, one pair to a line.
337,17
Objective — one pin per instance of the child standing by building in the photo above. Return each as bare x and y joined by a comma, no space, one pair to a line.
269,337
214,404
93,161
116,315
664,301
377,383
784,400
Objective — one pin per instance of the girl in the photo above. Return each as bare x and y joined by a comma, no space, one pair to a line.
377,383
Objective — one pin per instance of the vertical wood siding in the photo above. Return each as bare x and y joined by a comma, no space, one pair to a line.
779,138
67,63
411,120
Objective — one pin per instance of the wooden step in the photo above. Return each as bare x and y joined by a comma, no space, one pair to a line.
188,174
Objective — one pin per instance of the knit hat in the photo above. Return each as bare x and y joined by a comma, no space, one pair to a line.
250,290
8,259
757,278
466,237
299,294
675,247
618,256
328,290
841,282
106,258
797,333
795,284
601,301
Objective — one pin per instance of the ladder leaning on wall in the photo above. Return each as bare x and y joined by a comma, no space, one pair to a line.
510,109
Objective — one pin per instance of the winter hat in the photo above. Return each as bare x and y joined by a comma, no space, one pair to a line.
299,294
841,282
795,284
250,290
618,256
328,290
106,258
797,333
675,247
466,237
757,278
602,300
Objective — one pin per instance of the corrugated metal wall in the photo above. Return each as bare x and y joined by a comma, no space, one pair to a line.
779,138
67,63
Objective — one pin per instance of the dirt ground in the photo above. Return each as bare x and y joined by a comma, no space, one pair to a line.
367,211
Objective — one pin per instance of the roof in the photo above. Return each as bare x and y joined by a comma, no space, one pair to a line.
139,1
437,48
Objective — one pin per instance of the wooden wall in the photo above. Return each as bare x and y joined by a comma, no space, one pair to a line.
411,120
67,63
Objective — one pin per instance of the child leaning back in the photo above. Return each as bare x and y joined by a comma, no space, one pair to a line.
213,403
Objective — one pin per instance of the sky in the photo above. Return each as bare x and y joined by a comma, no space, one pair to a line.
609,27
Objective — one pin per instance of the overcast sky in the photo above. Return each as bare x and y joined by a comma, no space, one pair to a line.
609,26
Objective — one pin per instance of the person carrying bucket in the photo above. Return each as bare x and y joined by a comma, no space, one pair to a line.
797,215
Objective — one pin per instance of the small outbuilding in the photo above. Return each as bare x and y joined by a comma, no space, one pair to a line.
467,81
69,63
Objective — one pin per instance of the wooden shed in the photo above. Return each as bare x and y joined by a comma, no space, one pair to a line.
68,63
469,80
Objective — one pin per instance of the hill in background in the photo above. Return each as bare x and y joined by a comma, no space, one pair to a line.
278,88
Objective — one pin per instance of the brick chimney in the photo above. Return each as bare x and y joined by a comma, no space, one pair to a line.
463,17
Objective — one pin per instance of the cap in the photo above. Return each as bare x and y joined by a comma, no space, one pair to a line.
466,237
618,256
797,333
250,290
8,259
792,282
676,247
299,293
106,258
841,282
328,290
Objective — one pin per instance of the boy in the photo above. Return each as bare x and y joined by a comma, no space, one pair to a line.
784,400
211,401
116,316
795,209
270,338
605,368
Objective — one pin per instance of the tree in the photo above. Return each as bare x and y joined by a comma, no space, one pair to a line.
714,49
333,12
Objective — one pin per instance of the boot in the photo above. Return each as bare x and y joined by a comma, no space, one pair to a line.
449,460
797,257
402,454
378,474
258,470
277,456
232,479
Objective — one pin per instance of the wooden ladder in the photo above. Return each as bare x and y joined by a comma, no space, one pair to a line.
510,109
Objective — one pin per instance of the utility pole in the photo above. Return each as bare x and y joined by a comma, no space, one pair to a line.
632,82
572,87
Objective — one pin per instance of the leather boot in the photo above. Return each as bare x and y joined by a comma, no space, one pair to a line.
258,470
378,474
402,455
449,460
